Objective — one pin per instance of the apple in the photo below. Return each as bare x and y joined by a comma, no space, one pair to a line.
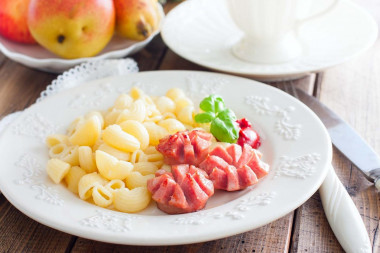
72,28
136,19
13,25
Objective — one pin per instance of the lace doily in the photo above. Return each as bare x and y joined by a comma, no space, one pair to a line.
89,71
78,75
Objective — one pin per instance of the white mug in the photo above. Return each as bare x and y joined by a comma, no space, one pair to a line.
269,28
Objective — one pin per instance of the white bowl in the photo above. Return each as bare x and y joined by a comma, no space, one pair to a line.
35,56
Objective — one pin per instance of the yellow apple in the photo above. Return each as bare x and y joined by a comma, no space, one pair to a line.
136,19
72,28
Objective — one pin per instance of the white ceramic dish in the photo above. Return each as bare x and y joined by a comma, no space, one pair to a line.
294,143
37,57
202,31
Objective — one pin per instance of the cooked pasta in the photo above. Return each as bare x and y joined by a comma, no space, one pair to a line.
145,168
57,169
72,156
55,139
138,156
111,116
137,130
172,125
114,185
73,125
109,155
124,101
110,167
114,136
181,103
151,150
102,196
86,159
168,115
137,111
165,104
156,132
87,182
97,114
86,132
186,115
136,93
72,178
59,150
131,201
121,155
175,93
135,179
166,167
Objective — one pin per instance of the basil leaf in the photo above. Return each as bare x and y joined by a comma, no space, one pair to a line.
207,104
227,114
212,103
204,117
225,131
219,103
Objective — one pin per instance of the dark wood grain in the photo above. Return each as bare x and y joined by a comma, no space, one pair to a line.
265,239
25,84
151,57
19,233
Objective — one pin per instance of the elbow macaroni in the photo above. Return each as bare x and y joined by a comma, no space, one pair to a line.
109,156
131,201
115,137
110,167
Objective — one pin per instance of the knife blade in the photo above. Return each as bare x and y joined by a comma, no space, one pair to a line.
345,139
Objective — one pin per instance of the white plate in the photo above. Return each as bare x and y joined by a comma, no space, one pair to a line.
35,56
294,143
202,31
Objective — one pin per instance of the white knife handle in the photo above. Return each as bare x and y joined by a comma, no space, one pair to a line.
377,184
343,216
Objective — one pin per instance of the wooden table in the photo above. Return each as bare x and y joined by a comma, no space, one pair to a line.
351,89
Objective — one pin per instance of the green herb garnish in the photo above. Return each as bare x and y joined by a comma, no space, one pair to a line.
222,119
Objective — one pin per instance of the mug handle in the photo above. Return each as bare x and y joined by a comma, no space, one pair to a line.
319,14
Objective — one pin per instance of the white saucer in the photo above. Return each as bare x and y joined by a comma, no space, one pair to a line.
37,57
201,31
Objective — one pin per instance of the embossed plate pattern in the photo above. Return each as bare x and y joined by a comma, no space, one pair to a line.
201,31
294,143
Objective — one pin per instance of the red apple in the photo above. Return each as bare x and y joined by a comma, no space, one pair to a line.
13,16
72,28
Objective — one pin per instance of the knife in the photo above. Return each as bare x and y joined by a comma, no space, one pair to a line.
346,139
340,210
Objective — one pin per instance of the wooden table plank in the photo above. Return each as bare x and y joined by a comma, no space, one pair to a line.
311,231
22,83
150,58
19,233
265,239
353,91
